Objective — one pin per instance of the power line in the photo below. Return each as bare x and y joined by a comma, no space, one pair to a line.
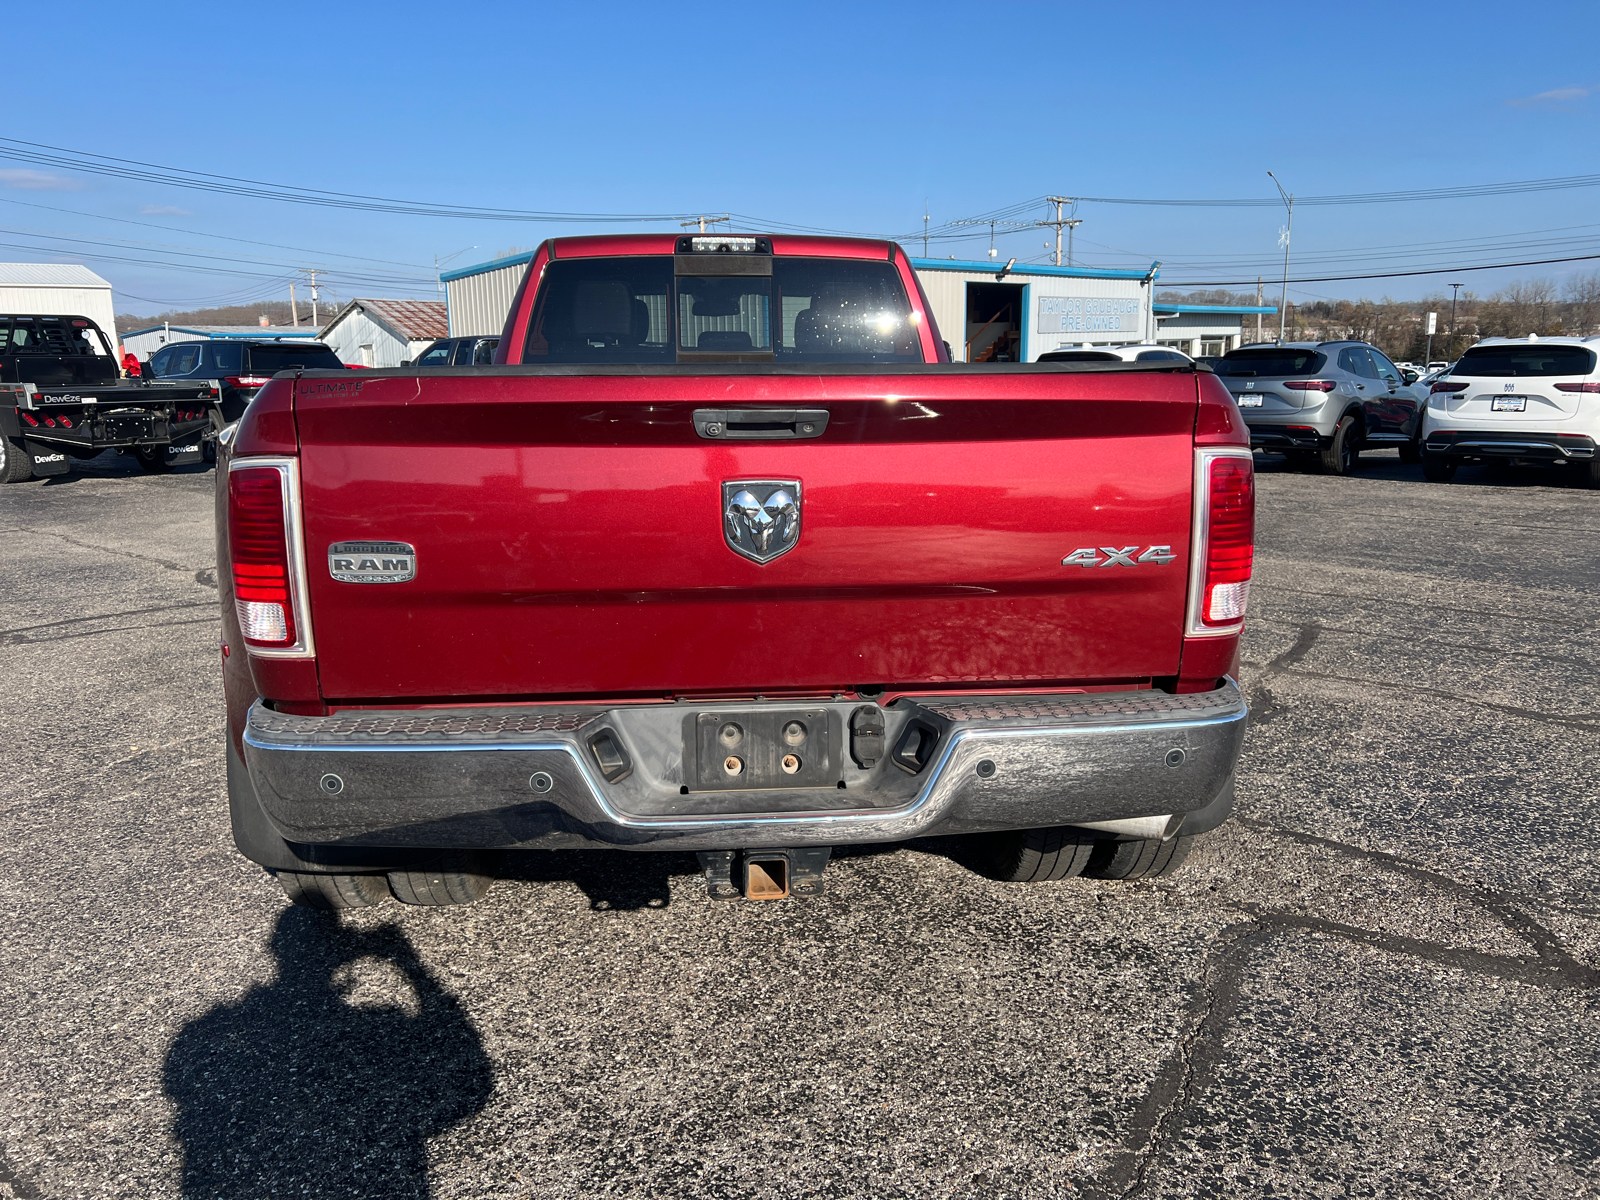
63,158
1535,262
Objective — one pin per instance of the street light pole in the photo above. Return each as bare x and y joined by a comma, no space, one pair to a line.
1455,290
1283,304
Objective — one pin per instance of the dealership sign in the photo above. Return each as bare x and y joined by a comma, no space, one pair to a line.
1088,314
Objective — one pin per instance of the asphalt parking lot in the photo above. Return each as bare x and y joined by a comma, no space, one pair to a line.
1381,979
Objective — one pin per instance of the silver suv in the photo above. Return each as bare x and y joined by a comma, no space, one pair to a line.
1328,400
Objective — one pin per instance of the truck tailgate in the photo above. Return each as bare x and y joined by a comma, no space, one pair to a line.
569,531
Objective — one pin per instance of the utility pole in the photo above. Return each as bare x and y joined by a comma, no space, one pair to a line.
924,228
1288,232
314,273
1071,223
294,309
1455,290
1258,305
702,221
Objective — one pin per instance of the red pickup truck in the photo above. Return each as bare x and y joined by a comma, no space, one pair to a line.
724,555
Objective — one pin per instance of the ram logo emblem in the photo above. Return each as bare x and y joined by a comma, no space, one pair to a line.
372,562
1111,556
761,517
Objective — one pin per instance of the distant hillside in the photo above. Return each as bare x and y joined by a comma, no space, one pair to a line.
276,312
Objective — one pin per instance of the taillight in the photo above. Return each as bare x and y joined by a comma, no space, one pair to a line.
1310,385
50,421
248,380
1224,551
1578,387
263,542
67,421
1448,385
30,419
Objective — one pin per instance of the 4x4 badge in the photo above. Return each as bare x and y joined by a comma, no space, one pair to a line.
1090,557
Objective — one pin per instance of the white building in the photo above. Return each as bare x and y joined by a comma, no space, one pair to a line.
386,333
1208,329
57,290
990,314
144,342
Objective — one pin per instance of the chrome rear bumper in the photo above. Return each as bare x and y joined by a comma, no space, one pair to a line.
530,776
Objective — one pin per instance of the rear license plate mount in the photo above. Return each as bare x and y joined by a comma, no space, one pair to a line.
1247,400
1508,404
750,750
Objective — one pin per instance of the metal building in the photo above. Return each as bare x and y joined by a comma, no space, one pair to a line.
1208,329
479,298
57,290
384,333
991,313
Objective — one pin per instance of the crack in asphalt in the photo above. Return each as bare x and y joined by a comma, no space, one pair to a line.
1264,709
19,640
1497,651
13,637
71,541
1553,965
1260,587
1282,665
1187,1072
1183,1077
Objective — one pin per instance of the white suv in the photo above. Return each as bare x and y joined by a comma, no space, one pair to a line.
1535,399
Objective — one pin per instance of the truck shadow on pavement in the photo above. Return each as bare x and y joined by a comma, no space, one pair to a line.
329,1080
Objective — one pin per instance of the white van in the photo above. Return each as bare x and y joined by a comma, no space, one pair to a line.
1534,399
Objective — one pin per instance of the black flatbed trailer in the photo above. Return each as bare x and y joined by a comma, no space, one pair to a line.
62,397
162,425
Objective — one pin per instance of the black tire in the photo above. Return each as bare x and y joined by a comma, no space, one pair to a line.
1343,452
153,461
1145,859
1438,469
332,892
1042,855
450,879
15,465
1589,473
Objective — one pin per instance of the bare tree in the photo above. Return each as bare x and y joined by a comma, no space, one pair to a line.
1583,304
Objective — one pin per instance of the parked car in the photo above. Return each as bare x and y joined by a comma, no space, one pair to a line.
242,366
1139,353
697,580
1325,401
458,352
62,396
1534,400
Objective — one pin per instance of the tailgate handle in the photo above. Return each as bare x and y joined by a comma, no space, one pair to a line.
759,424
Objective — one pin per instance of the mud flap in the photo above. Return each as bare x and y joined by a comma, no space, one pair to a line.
191,451
46,460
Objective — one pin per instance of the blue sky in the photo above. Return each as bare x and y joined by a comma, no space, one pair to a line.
849,117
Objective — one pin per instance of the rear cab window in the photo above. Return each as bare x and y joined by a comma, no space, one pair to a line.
744,307
269,360
1524,362
63,337
1273,363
